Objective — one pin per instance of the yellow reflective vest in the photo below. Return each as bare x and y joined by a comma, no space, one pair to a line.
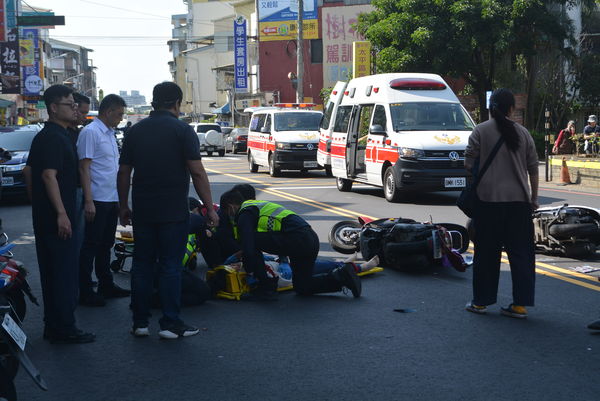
270,216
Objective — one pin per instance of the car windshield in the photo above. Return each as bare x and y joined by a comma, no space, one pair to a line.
16,140
297,121
429,116
206,128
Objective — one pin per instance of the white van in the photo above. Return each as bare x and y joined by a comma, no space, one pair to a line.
284,137
402,131
324,152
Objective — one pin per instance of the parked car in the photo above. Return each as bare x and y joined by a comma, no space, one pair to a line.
16,140
237,140
211,138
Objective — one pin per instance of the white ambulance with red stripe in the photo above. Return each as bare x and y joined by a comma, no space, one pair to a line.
284,137
404,132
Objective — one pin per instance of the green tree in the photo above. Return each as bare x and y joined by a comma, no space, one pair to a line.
465,38
100,95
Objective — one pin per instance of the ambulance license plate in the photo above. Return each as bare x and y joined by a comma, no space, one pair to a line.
8,181
455,182
13,330
310,164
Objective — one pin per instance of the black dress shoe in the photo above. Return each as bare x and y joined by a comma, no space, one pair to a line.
594,325
114,292
76,337
92,299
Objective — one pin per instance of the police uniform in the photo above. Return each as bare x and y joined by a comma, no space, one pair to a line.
263,226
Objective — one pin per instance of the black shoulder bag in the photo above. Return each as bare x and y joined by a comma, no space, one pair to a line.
468,199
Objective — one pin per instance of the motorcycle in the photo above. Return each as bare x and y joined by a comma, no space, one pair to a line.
13,289
402,243
573,231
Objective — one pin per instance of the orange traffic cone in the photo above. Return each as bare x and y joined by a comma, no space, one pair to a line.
564,172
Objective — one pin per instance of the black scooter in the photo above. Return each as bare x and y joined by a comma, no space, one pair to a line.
13,289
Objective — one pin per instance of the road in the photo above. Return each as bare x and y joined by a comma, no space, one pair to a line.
335,347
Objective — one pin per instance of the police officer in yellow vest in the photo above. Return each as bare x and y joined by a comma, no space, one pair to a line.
263,226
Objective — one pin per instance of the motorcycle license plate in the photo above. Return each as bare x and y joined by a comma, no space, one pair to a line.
310,164
455,182
14,331
8,181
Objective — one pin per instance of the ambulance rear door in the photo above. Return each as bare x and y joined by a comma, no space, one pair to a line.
327,122
339,137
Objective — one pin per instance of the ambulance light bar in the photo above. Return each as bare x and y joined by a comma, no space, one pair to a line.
416,84
295,105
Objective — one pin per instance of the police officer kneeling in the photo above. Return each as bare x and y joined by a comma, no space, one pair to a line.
263,226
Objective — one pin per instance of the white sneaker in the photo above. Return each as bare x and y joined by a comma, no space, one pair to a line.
178,330
140,331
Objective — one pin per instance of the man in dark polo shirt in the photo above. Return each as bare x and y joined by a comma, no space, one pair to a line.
53,182
162,152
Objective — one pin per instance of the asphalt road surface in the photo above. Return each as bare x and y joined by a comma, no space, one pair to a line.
335,347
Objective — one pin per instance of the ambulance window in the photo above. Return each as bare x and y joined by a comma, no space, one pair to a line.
364,123
268,123
342,118
257,122
379,116
327,115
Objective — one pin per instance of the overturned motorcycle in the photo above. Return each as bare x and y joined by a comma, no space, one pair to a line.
573,231
13,288
402,243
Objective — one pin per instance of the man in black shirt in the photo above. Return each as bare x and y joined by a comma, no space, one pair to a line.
53,182
162,152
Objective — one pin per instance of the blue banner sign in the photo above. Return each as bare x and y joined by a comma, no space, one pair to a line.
240,55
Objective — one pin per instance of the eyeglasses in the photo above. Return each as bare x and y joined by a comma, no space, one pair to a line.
71,105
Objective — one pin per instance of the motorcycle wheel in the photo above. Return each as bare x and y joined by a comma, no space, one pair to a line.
7,375
341,242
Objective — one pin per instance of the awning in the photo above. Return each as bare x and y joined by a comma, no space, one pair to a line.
5,103
225,109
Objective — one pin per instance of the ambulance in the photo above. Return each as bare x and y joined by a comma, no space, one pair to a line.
324,151
284,137
405,132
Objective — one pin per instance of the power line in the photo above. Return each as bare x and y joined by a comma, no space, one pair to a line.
124,9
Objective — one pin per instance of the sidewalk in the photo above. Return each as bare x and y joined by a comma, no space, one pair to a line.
584,174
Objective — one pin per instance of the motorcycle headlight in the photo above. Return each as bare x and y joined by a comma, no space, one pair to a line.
284,145
14,167
408,153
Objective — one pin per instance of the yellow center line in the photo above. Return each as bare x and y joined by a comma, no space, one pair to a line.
348,213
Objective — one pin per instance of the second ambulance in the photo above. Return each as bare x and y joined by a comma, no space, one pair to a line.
404,132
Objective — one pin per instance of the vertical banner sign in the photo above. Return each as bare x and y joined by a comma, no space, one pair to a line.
361,65
2,22
10,74
338,33
241,55
30,62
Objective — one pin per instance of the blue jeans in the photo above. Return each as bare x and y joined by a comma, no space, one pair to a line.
158,247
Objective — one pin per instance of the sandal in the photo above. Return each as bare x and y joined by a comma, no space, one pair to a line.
516,311
471,307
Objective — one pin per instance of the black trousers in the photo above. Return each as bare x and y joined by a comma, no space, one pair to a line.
302,248
59,272
505,225
98,240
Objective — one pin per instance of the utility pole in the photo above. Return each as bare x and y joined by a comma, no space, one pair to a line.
547,142
300,56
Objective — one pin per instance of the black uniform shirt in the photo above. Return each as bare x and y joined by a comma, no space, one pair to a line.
52,148
247,221
158,148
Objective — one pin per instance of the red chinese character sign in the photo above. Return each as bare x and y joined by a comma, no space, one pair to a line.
338,33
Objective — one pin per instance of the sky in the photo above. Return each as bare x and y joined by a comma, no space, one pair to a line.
129,38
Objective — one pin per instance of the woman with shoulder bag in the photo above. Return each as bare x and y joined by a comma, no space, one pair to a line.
508,192
564,142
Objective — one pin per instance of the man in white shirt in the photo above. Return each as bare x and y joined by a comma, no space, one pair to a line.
98,166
